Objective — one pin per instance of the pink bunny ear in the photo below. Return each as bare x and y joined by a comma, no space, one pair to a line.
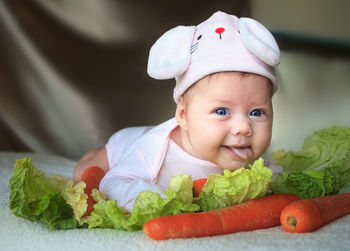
170,56
258,39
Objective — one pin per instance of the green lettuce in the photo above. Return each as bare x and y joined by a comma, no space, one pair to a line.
321,168
309,184
36,197
236,187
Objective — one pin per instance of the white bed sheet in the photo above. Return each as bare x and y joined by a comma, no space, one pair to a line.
20,234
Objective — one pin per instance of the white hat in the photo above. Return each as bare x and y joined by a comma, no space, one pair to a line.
221,43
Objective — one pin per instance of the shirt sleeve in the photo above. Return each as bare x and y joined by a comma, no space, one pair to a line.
122,140
126,177
135,157
125,190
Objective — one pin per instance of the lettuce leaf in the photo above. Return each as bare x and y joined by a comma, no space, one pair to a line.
236,187
309,184
61,204
321,168
36,197
322,147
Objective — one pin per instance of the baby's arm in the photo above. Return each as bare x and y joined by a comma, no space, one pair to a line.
124,189
96,157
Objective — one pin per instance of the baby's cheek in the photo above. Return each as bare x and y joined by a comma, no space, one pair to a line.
262,144
206,147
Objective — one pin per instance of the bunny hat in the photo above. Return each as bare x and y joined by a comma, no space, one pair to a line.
221,43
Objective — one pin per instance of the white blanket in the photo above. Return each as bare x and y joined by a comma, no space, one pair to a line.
20,234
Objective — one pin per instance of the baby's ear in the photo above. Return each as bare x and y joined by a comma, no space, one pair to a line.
170,56
180,113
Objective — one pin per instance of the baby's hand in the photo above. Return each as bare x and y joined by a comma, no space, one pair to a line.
92,177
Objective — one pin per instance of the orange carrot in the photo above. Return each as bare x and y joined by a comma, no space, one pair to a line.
92,177
197,186
254,214
310,214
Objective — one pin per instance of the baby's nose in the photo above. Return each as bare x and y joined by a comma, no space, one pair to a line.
241,127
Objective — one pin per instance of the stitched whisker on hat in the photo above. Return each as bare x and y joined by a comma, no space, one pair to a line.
194,50
194,47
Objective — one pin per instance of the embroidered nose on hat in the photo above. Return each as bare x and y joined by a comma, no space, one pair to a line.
219,31
221,43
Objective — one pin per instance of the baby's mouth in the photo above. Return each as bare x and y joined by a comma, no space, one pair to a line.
240,152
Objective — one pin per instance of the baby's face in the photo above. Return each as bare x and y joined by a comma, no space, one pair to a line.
227,119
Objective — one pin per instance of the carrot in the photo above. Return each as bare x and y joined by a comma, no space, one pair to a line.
310,214
197,186
253,214
92,177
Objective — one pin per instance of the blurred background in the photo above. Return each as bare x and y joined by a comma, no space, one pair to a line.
74,72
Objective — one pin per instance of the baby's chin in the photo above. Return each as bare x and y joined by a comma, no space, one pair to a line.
236,165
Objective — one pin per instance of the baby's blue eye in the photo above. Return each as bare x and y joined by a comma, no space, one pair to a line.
222,112
256,113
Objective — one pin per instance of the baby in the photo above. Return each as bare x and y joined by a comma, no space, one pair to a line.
225,79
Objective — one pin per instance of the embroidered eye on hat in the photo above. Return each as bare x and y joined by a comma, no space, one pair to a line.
221,43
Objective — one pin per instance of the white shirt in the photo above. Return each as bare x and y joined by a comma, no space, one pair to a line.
178,161
136,156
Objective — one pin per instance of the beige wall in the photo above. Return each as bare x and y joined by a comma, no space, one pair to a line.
314,93
318,18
